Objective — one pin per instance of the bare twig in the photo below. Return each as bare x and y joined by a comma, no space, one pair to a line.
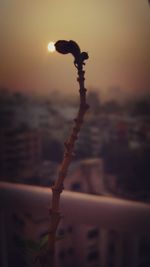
65,47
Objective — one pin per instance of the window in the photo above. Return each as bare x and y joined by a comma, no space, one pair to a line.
70,251
61,232
93,233
62,254
92,256
70,229
76,186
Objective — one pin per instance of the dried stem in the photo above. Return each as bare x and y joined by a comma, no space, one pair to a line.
68,154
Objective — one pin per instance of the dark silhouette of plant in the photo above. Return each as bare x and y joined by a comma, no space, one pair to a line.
65,47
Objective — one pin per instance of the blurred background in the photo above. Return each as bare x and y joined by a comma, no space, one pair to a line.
39,99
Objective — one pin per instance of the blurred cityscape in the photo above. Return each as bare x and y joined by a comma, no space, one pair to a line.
105,205
111,159
111,155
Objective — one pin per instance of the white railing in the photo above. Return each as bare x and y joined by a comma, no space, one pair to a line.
130,219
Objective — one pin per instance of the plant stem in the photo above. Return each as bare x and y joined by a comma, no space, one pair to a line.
68,155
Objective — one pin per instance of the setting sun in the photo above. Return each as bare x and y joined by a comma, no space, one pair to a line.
51,47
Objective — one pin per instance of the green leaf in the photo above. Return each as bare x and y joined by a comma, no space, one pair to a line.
44,241
33,246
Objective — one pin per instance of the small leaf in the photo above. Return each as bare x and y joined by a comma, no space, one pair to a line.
44,241
33,246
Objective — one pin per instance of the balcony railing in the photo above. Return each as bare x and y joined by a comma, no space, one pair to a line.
101,231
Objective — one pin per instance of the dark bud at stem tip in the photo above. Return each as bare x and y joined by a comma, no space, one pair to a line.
84,56
62,47
65,47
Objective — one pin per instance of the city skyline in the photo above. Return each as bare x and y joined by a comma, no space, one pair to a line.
115,34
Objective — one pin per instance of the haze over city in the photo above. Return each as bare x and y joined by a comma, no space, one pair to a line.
116,34
101,160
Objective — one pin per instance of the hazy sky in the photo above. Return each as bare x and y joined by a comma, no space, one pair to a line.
115,33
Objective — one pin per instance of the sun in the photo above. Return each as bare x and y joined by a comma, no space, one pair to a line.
51,47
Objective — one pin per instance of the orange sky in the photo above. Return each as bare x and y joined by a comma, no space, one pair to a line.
115,33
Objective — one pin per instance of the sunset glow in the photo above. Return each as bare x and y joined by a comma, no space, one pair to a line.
116,35
51,47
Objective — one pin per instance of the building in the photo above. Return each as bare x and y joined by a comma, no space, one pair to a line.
20,154
86,176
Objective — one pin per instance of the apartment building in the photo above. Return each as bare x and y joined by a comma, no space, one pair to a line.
20,153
